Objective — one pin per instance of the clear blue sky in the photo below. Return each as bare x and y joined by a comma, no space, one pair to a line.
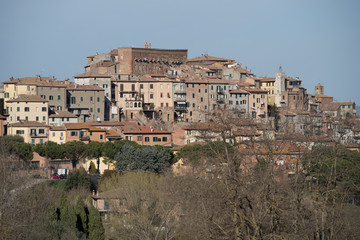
316,40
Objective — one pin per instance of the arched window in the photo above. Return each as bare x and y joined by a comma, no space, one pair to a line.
135,104
139,104
127,104
131,104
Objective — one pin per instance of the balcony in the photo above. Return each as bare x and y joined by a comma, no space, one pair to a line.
148,107
220,91
36,135
85,138
220,101
180,91
181,108
180,99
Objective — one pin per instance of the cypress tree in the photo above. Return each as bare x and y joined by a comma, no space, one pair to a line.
96,229
82,216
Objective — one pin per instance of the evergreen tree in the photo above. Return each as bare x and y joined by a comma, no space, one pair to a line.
96,229
82,216
92,168
67,213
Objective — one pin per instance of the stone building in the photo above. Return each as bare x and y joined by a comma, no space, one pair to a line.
239,101
86,101
53,91
136,61
101,80
258,103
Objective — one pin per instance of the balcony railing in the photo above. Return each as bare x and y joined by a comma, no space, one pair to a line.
37,135
179,99
180,91
221,100
180,108
85,138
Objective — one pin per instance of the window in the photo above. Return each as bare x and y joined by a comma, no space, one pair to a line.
27,109
73,100
19,131
193,95
161,95
51,97
101,136
73,133
44,118
147,139
26,118
164,139
151,86
33,141
18,109
205,107
91,133
141,86
105,86
37,118
168,95
41,131
53,134
43,109
98,110
193,85
151,96
91,109
205,90
98,99
155,139
139,138
59,97
193,104
41,141
199,90
81,99
62,119
91,99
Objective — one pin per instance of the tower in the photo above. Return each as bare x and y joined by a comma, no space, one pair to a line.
319,89
279,86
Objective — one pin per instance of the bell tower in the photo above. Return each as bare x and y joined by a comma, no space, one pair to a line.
279,86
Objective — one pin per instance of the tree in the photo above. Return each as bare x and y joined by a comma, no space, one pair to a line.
82,213
147,158
92,168
75,152
95,150
50,149
78,179
96,229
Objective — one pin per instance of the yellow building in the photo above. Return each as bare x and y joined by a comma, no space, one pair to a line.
29,108
17,86
268,84
32,132
57,134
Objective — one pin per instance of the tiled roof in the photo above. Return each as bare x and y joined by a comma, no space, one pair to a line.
109,123
95,129
75,126
28,124
255,90
59,128
239,91
84,88
59,114
330,107
91,75
28,98
209,58
142,130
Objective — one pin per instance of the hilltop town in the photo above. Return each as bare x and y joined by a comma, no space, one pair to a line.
166,134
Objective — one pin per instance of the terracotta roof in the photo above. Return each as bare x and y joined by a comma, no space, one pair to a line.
266,79
95,129
209,58
59,114
113,52
28,80
239,91
59,128
84,88
28,98
255,90
28,124
322,96
112,134
91,75
143,130
75,126
108,123
345,103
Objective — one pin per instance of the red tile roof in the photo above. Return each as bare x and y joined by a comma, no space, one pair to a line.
28,98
